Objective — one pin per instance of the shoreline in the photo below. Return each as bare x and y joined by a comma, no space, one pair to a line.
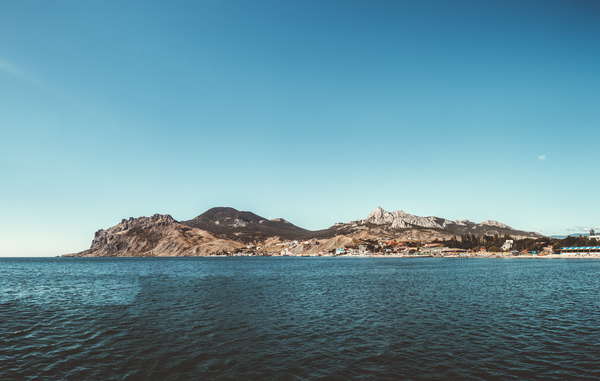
457,256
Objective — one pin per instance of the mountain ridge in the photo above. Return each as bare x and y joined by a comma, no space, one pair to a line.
227,222
399,219
225,229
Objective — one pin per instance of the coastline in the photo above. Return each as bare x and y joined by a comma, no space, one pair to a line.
278,255
483,255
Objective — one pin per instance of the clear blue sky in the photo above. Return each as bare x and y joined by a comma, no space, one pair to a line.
314,111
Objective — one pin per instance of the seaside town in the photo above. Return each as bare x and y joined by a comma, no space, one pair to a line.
529,248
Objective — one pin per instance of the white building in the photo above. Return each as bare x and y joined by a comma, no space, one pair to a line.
594,236
507,245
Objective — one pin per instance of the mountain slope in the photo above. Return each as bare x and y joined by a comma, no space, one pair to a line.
248,227
402,225
244,226
159,235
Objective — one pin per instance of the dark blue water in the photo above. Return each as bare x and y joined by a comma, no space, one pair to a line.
298,318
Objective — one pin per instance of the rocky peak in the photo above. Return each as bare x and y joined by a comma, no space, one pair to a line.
379,217
399,219
102,236
495,224
246,226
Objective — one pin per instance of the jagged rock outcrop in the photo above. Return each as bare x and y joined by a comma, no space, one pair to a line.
402,225
495,224
399,219
159,235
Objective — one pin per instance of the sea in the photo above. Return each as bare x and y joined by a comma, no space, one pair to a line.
287,318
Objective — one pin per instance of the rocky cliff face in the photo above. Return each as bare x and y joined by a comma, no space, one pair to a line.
495,224
402,225
106,240
159,235
399,219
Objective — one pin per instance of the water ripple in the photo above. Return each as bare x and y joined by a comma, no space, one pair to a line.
298,319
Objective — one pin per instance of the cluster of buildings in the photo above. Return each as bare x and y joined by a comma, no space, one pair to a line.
394,248
583,249
580,250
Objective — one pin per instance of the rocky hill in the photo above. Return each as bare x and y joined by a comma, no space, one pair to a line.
402,225
248,227
245,226
156,236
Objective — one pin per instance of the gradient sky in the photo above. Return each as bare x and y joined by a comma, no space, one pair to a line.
314,111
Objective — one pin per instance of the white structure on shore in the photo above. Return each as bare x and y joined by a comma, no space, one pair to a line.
594,236
507,245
